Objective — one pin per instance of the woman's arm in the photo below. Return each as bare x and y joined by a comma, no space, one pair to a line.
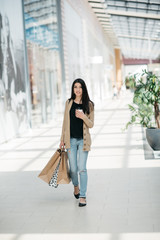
89,120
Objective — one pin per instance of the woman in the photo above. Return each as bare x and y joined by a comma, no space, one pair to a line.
78,118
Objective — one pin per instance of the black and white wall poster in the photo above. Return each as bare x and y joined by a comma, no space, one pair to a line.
13,110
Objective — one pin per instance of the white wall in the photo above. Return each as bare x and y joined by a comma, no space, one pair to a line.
85,41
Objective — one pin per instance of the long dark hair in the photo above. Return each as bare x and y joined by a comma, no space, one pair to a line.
85,97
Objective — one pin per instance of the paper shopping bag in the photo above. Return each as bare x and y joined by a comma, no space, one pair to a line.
63,173
47,172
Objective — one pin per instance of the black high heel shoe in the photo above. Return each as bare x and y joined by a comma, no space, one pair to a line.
82,204
77,196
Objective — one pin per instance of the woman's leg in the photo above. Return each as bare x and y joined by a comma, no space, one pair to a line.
72,155
82,161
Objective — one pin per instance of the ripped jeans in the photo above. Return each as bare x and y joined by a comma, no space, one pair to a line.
77,161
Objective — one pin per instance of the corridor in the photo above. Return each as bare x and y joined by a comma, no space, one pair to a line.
123,200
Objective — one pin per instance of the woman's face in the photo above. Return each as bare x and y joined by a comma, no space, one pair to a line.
78,90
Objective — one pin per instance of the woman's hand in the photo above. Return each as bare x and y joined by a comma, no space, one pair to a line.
79,114
62,145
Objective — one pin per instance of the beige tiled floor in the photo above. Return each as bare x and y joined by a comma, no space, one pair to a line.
123,189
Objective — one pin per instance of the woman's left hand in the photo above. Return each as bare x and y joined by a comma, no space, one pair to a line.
79,114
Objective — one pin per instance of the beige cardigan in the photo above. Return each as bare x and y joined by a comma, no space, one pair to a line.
88,122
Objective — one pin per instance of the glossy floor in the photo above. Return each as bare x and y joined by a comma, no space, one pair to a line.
123,200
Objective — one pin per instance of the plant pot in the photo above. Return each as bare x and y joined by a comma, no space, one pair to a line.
153,138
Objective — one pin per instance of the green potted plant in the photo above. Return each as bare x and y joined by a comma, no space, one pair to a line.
130,82
145,107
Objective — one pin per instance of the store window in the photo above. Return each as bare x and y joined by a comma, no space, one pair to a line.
43,58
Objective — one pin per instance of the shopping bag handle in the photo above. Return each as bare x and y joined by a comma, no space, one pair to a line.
60,150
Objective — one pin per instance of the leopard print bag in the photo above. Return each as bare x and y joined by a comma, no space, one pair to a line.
53,181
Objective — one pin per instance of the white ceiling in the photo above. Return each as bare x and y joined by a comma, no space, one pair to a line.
133,25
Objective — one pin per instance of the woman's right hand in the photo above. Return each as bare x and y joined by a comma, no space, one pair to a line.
62,145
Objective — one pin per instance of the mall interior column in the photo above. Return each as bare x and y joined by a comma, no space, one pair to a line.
118,67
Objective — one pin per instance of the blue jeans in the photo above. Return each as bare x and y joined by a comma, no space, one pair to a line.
77,160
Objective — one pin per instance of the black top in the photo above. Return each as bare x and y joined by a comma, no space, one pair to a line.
76,124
